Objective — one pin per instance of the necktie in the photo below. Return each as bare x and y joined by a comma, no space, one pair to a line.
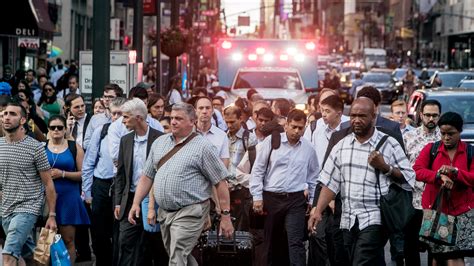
74,130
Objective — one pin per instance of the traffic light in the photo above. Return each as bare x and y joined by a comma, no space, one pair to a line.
126,41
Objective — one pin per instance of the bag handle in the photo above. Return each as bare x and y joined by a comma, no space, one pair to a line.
234,239
377,171
438,203
175,149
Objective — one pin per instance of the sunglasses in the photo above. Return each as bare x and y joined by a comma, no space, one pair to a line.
53,128
48,89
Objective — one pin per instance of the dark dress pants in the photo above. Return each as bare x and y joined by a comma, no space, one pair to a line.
365,247
130,239
154,249
82,240
286,213
102,221
412,244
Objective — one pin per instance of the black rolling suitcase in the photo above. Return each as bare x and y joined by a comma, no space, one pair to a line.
216,250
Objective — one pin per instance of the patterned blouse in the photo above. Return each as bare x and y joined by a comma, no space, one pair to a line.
415,140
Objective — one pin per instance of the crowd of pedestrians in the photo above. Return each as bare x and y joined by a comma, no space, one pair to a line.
144,175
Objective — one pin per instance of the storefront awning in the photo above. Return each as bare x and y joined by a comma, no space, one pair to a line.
29,18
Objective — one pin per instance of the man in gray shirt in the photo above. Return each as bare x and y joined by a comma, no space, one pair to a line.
182,186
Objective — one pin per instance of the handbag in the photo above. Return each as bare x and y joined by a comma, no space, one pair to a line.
59,254
438,227
42,251
396,206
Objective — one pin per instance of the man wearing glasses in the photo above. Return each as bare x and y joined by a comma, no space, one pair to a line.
415,141
111,91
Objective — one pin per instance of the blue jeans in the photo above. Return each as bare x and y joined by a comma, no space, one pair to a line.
19,228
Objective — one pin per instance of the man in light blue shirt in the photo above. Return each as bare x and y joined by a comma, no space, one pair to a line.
283,180
97,177
111,91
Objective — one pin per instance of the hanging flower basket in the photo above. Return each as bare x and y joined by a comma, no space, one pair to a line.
173,42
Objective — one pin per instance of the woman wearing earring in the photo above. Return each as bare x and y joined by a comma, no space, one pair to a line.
49,102
65,158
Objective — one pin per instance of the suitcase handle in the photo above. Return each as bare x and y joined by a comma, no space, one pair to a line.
234,240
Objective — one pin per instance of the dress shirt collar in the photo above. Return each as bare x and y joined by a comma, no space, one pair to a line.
144,137
284,138
373,140
82,120
239,134
211,130
173,139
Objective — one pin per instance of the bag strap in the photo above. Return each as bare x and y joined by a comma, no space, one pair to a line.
175,149
470,153
377,172
312,126
433,153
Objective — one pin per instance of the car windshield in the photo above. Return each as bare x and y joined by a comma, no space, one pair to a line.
400,73
461,104
376,78
268,80
374,57
467,85
452,79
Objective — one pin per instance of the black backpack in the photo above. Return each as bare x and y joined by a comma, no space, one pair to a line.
252,151
434,153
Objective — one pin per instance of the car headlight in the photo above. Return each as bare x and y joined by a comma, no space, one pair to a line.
300,106
399,83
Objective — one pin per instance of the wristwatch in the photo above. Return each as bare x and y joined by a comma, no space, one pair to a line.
389,172
225,212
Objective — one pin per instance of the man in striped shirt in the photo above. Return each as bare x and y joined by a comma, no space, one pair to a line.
350,169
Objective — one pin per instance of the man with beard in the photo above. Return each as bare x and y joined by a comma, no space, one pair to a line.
415,141
350,169
25,176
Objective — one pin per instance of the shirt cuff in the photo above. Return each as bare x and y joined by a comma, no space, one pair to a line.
257,197
88,195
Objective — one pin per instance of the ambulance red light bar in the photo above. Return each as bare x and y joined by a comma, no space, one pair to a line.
268,57
283,57
260,50
310,46
252,57
226,45
237,56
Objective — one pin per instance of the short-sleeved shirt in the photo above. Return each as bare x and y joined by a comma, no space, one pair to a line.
187,177
347,171
20,164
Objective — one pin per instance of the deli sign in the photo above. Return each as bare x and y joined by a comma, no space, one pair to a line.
29,43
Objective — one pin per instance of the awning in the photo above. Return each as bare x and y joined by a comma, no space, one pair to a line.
29,18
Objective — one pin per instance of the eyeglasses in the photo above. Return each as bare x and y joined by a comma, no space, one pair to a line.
116,113
434,116
53,128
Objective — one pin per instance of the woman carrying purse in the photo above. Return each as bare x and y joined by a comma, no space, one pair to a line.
446,167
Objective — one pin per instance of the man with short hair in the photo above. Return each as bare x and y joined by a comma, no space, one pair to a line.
218,103
400,114
415,141
240,141
134,149
97,178
182,186
263,116
33,83
73,87
280,177
117,129
281,107
348,171
111,91
255,106
24,177
77,118
214,134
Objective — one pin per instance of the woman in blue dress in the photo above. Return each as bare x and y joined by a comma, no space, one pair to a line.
66,174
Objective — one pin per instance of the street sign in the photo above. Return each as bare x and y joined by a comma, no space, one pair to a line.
30,43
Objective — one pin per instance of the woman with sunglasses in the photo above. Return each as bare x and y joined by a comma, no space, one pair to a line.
66,174
49,102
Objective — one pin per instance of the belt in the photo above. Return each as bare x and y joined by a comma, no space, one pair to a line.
283,194
108,180
201,202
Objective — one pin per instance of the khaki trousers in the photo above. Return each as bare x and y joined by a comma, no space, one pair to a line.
181,230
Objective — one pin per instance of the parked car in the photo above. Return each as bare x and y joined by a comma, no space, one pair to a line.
466,83
381,81
448,78
457,100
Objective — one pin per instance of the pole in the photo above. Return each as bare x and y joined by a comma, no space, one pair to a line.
101,51
173,66
158,83
138,29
